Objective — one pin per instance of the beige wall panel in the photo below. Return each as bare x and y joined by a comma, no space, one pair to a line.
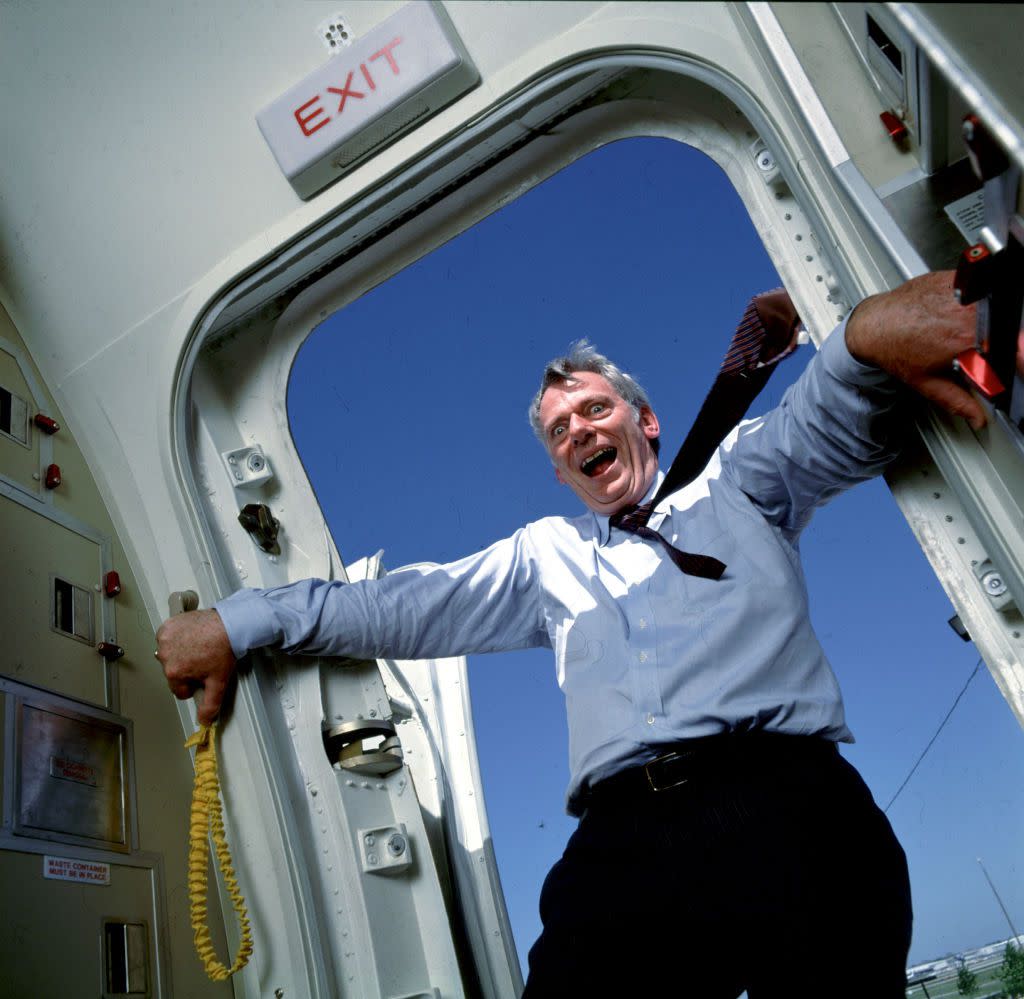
33,549
52,946
77,493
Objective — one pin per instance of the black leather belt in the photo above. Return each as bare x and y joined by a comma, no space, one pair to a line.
694,759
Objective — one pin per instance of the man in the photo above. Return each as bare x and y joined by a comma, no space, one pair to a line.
723,843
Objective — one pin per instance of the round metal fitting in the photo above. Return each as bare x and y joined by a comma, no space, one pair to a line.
993,583
396,844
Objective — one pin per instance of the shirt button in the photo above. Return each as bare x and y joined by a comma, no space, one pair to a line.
643,657
650,719
642,622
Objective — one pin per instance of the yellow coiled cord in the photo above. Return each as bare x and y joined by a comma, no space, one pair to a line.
207,821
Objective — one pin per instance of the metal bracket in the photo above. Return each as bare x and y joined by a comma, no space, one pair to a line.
768,166
994,585
247,466
386,850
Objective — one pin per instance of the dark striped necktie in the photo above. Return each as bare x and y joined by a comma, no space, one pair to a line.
767,333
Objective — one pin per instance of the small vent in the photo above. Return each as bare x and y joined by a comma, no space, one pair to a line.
72,611
357,149
13,416
885,44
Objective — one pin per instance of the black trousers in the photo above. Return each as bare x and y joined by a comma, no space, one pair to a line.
781,877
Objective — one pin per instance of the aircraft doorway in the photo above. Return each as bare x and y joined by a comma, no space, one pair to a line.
408,409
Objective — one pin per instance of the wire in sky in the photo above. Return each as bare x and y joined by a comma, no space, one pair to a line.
942,725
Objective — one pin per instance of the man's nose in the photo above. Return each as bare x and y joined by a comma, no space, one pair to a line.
580,430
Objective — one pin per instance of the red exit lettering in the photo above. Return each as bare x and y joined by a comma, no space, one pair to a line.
304,119
311,116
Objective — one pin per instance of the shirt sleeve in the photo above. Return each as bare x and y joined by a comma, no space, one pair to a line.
487,602
841,423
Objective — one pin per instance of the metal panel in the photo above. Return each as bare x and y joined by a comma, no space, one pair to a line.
70,771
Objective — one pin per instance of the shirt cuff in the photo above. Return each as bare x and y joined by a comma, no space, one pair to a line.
847,368
247,620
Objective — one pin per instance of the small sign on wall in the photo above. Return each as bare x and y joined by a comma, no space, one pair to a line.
69,869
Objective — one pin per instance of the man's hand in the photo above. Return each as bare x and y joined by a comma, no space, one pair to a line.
196,655
914,332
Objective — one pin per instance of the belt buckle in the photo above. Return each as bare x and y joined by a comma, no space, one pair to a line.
655,785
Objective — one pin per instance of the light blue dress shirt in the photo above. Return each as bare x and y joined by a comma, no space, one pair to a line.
645,654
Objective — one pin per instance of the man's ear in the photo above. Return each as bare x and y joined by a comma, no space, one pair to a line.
649,423
558,475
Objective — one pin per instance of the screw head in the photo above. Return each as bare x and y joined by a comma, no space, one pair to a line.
993,583
396,844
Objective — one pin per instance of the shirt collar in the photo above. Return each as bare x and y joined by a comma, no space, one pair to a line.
601,527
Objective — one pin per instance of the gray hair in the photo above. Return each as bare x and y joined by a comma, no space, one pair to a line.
583,356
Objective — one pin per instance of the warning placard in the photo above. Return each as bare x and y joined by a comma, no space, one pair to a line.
69,869
968,215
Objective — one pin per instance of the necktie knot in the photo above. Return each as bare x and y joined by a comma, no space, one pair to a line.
633,520
632,517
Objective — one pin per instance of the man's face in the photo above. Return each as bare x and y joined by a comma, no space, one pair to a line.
598,448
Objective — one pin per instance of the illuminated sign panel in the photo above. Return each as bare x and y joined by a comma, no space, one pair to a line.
397,75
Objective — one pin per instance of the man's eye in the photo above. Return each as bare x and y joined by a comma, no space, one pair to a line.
598,407
558,431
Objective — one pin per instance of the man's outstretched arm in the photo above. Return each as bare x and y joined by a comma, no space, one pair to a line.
485,602
844,420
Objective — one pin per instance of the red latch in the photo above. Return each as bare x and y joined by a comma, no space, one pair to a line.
112,584
52,476
110,650
894,126
45,423
974,274
979,373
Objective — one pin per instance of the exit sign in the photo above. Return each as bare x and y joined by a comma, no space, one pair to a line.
393,78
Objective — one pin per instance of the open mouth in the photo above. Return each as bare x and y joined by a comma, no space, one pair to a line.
598,462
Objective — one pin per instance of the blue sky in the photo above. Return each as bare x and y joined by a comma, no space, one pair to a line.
408,409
